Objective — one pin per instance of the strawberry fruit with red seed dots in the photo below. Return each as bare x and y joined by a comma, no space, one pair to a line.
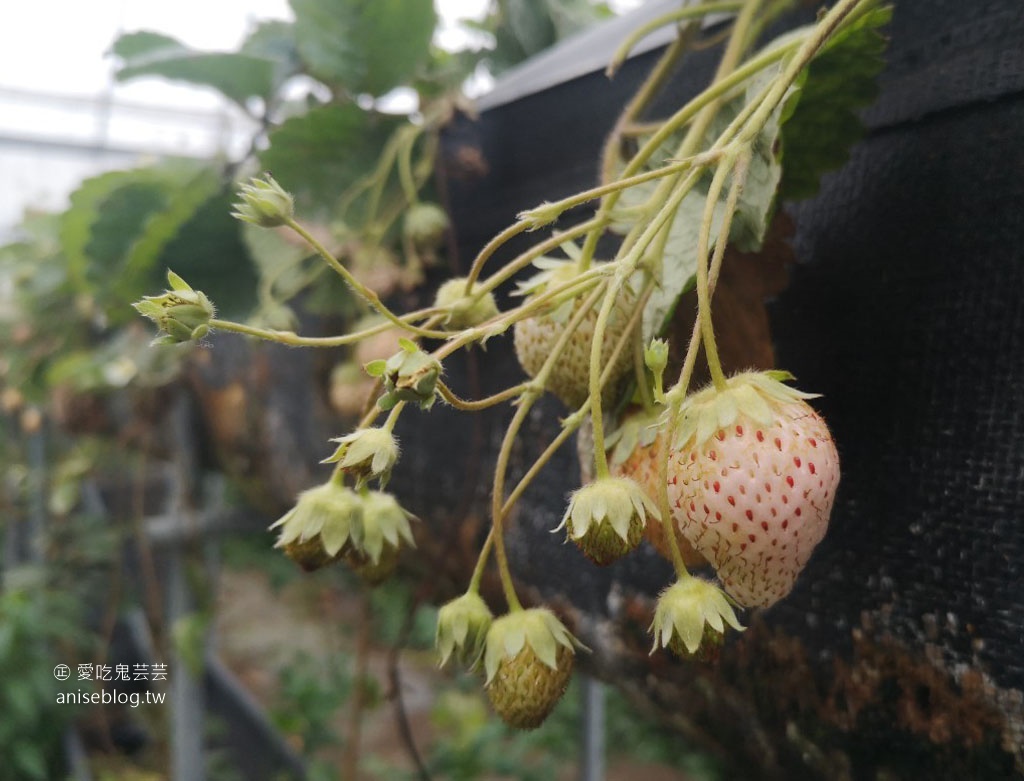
753,476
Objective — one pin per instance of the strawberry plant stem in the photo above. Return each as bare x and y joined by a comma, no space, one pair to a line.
569,425
475,405
703,261
651,86
481,564
683,14
392,418
359,288
526,401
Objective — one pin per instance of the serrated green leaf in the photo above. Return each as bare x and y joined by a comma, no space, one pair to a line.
318,155
120,222
522,28
237,76
208,251
88,208
823,123
274,40
364,47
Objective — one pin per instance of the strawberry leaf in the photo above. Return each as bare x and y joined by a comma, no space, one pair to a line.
362,46
120,223
319,154
237,76
823,123
674,271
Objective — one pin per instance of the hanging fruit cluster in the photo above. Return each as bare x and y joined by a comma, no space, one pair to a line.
740,475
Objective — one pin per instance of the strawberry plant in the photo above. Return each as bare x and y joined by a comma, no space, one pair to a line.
743,471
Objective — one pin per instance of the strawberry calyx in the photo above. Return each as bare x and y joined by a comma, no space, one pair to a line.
462,626
638,429
607,517
385,526
553,273
331,513
686,610
754,395
537,629
366,453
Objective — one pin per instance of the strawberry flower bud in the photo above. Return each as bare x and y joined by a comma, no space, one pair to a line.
464,311
607,518
181,313
366,453
264,203
528,659
409,375
656,359
462,627
691,613
324,524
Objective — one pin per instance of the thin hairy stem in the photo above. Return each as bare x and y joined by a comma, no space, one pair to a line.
526,402
474,405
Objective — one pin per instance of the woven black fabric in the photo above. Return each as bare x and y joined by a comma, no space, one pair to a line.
909,319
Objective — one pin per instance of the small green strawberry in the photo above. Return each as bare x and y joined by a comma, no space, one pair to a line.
264,203
384,528
606,518
323,526
464,311
528,660
690,619
409,375
181,313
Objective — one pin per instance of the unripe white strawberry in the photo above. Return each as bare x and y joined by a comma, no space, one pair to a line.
464,311
535,337
753,476
425,225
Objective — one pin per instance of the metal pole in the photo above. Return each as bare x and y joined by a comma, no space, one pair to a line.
186,687
592,761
